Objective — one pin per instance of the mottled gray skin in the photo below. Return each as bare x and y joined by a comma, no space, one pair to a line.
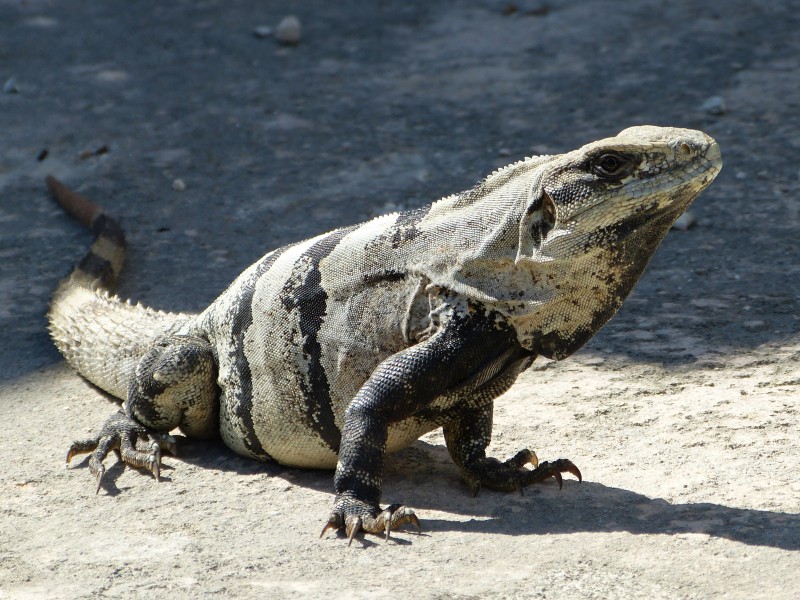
333,351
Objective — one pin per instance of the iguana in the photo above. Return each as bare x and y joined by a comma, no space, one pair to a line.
333,351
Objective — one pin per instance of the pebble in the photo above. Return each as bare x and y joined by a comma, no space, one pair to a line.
262,31
684,222
715,105
10,86
288,30
594,361
178,185
756,325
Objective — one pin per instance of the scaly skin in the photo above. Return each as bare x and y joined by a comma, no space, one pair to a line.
335,350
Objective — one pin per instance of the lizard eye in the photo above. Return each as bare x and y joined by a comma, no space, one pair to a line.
612,165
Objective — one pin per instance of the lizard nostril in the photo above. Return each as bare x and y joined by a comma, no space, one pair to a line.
685,149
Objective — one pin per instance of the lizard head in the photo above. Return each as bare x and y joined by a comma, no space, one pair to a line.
578,229
633,185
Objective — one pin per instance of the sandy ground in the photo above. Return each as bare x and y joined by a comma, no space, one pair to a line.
682,413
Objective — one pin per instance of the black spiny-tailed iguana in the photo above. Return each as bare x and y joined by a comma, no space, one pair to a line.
335,350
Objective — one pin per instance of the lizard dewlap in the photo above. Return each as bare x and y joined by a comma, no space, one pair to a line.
333,351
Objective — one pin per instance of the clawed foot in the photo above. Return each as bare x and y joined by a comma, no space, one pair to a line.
512,475
553,469
133,444
354,516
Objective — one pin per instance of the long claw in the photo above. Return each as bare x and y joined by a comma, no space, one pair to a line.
334,522
386,515
171,447
164,441
402,514
356,527
534,460
562,465
476,488
155,460
100,471
412,518
80,448
522,458
559,479
388,524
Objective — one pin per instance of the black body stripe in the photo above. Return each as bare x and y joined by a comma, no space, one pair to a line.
243,398
309,299
104,226
97,267
387,275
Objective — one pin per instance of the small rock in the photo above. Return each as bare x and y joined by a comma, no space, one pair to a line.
96,152
684,222
756,325
178,185
504,152
642,336
715,105
288,30
594,361
262,31
10,86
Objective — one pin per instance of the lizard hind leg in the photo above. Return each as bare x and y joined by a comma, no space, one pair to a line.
174,385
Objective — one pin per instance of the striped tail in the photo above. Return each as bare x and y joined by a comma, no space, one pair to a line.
101,336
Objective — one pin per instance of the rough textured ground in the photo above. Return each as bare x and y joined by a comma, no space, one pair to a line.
682,414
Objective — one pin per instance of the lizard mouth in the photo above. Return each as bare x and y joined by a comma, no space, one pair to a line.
677,198
714,155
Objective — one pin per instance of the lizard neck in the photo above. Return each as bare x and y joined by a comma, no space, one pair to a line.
557,306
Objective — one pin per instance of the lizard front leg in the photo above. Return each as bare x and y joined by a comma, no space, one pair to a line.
467,352
398,387
467,438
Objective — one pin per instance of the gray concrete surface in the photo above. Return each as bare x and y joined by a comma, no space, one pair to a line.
682,414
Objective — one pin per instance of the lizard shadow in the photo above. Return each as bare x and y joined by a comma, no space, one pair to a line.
424,476
587,507
594,507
